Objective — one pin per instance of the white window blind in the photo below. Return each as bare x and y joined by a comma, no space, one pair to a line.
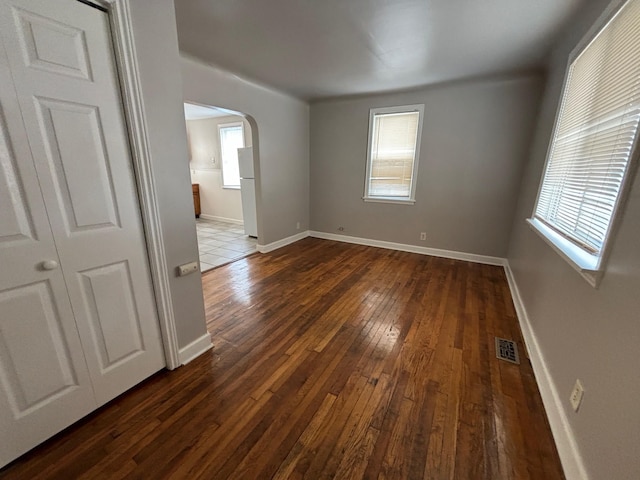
231,138
595,134
393,149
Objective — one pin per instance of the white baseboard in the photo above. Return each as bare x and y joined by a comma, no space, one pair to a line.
470,257
195,349
270,247
435,252
570,457
221,219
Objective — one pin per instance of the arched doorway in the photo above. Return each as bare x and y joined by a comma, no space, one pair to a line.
222,157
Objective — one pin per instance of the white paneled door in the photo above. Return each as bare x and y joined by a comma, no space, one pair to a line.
78,324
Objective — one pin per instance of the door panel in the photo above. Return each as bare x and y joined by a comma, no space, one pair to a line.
64,73
52,46
44,380
115,326
78,163
15,221
30,317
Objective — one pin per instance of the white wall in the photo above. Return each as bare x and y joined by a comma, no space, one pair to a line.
216,202
474,146
582,332
154,30
204,141
280,127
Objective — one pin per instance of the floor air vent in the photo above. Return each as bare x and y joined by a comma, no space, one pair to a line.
507,350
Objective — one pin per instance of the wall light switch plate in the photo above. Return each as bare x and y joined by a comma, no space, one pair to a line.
576,395
187,268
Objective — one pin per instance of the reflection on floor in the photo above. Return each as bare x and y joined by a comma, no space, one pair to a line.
221,242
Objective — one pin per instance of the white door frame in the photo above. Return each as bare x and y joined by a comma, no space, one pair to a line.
126,61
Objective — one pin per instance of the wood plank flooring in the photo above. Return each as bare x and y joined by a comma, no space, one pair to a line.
330,360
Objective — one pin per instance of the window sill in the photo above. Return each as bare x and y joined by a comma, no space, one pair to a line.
389,200
585,264
231,187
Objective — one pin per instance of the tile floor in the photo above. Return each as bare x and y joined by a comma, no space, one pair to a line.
221,242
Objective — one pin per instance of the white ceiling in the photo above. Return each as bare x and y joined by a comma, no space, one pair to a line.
198,112
326,48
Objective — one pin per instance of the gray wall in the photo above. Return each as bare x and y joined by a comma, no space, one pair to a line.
475,141
586,333
280,128
154,30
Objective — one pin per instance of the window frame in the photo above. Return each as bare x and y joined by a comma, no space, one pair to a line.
244,143
411,200
591,267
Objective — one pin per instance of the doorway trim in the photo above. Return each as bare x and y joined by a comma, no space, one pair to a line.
128,73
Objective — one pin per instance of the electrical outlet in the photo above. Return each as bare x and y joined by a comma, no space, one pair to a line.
297,225
576,395
423,235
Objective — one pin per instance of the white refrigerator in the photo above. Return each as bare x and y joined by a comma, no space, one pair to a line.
248,191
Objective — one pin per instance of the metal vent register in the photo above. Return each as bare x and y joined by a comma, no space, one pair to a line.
507,350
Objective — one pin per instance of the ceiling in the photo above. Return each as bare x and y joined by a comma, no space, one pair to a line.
326,48
199,112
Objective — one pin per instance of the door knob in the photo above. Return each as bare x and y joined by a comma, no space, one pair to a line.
49,265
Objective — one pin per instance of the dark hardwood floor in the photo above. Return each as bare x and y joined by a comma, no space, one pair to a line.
330,360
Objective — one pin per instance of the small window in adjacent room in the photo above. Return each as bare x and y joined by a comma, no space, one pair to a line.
231,139
393,152
593,145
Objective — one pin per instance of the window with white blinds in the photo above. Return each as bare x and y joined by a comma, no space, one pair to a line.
594,137
231,139
392,160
